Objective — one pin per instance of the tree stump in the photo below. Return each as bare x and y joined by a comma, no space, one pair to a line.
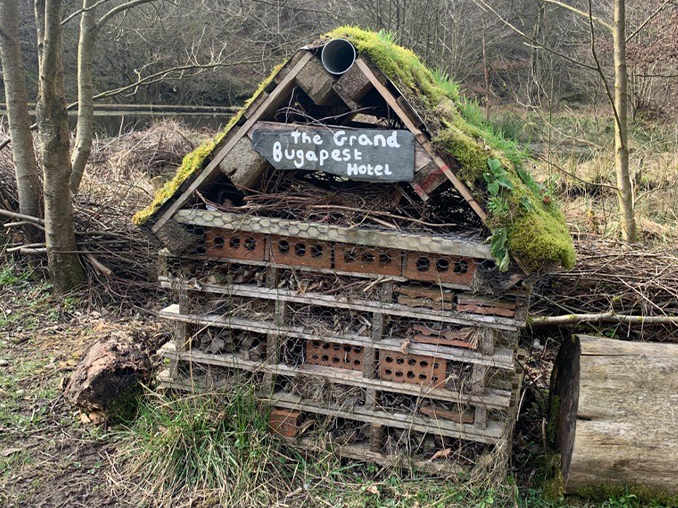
109,369
614,409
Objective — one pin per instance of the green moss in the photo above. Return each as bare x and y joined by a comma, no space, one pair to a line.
536,230
553,489
552,425
537,233
628,495
194,160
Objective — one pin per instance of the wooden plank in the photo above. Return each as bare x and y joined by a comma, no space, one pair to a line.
492,398
362,453
212,168
501,358
421,137
340,302
258,101
436,412
444,245
491,435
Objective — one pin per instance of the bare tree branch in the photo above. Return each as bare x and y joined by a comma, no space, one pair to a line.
649,18
580,12
117,10
485,6
285,5
84,9
604,317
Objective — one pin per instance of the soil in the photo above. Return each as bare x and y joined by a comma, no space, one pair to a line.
48,457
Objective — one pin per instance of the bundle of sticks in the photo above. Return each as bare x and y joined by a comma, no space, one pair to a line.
627,290
112,249
310,198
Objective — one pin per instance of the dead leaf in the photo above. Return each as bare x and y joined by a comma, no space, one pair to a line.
10,451
441,454
373,489
97,417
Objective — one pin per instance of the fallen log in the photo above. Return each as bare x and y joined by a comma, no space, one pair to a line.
613,414
109,370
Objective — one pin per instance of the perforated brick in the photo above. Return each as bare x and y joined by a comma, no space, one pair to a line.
438,268
293,251
362,259
222,243
415,369
327,354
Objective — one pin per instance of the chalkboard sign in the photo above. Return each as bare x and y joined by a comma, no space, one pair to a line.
375,155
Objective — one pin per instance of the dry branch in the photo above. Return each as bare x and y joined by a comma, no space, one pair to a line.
606,317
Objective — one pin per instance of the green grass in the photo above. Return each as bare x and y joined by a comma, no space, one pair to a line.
215,448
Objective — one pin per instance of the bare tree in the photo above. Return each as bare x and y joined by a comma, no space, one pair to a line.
618,97
23,151
52,116
89,28
621,134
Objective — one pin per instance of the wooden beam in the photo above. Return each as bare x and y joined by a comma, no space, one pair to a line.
339,302
421,137
492,398
448,246
272,101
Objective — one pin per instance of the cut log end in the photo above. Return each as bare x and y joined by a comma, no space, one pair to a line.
611,414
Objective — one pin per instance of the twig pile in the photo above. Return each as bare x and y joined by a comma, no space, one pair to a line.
613,277
313,197
114,252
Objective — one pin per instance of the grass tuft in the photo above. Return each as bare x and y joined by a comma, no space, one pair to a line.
216,444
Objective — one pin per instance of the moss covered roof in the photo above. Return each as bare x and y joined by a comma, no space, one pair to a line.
523,217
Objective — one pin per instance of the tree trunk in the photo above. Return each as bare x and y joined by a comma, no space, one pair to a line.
14,77
85,128
64,264
621,148
613,405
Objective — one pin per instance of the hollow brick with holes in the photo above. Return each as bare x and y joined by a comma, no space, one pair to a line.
327,354
415,369
363,259
438,268
289,250
222,243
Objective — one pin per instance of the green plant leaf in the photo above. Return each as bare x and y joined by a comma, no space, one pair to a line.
504,263
494,165
493,188
498,242
504,181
